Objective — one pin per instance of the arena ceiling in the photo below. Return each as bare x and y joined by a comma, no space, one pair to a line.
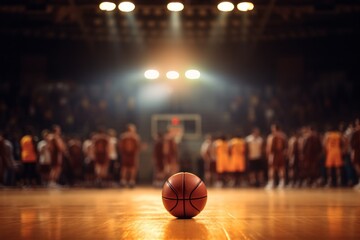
270,21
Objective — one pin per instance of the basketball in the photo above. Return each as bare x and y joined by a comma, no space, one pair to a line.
184,195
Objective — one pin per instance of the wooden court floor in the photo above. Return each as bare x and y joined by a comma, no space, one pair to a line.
139,214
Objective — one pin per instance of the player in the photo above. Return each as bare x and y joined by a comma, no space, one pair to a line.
221,151
355,154
255,155
312,153
29,157
88,152
44,156
100,142
113,154
276,146
159,161
333,147
76,160
237,153
129,148
170,151
7,163
294,156
208,159
58,151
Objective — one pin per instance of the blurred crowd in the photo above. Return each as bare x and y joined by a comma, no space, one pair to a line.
81,107
305,158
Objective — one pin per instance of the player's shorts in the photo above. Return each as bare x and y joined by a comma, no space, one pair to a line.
128,161
256,165
45,168
213,166
221,165
236,164
357,157
56,161
101,169
277,160
333,159
101,158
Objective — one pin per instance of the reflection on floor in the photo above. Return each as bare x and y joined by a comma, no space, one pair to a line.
139,214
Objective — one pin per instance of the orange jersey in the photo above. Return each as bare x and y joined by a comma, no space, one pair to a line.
333,149
28,153
222,155
237,147
333,142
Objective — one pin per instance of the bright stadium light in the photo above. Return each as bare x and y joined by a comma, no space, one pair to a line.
192,74
152,74
107,6
175,6
245,6
172,75
225,6
126,6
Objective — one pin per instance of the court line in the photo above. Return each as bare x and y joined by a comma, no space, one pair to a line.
226,233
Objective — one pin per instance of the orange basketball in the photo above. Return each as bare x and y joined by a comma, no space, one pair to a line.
184,195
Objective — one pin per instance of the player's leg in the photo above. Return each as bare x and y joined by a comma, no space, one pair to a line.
270,172
132,178
357,169
281,173
123,174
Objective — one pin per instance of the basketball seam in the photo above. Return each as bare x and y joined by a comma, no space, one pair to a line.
167,198
192,193
177,197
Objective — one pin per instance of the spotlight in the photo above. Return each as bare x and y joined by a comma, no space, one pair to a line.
192,74
245,6
151,74
172,75
175,6
107,6
126,6
225,6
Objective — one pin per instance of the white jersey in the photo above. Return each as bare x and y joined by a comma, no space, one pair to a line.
254,146
112,148
88,150
45,157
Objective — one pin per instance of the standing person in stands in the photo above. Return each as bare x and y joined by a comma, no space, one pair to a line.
355,154
100,141
29,157
255,155
276,146
333,147
58,152
129,148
